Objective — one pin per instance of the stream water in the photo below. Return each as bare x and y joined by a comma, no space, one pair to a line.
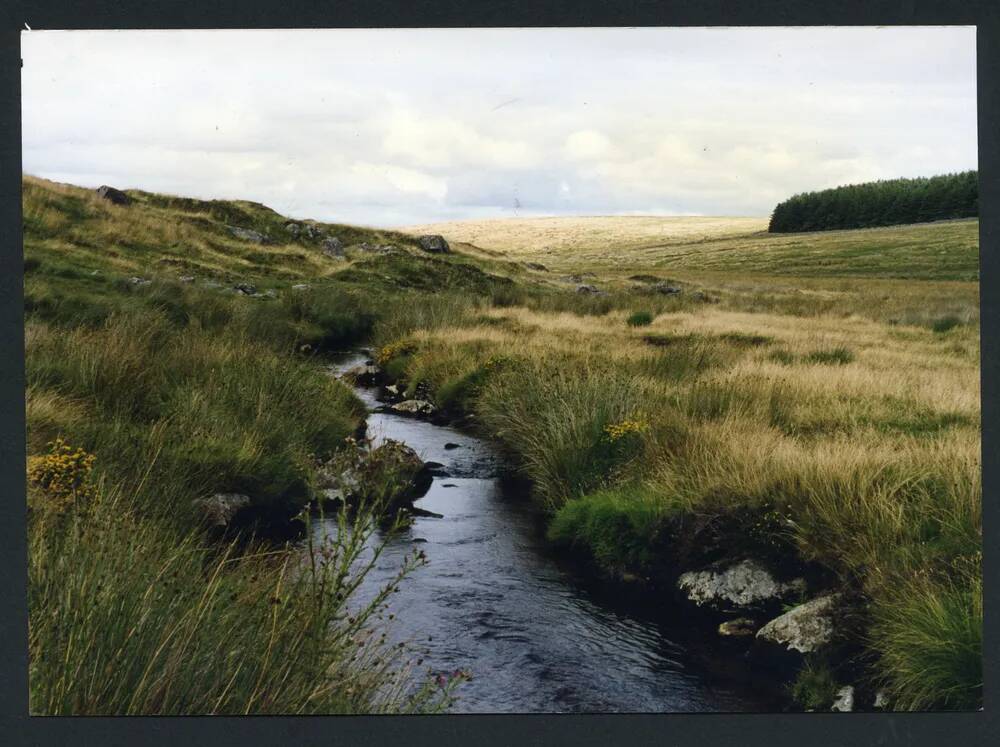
537,636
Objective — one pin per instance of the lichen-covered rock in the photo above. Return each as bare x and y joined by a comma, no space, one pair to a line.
741,627
844,702
113,195
248,235
388,477
803,629
363,374
333,248
220,509
744,585
587,289
414,407
435,244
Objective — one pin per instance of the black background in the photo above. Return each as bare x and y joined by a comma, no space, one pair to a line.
606,730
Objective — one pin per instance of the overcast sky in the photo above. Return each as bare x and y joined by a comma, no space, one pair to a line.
388,127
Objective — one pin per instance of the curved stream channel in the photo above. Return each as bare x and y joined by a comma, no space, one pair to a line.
535,633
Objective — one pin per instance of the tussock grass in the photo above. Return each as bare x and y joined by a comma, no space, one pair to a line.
130,617
854,442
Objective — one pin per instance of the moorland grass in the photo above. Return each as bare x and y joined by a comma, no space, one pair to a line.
837,416
861,442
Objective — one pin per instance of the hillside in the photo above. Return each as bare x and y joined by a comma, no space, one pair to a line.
691,393
934,251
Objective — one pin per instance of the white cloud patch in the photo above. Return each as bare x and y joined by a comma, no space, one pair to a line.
385,127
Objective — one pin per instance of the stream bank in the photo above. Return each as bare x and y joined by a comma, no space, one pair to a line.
538,632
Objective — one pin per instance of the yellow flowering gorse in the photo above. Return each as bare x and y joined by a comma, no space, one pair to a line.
387,352
63,474
618,431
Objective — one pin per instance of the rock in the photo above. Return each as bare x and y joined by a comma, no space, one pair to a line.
247,235
805,628
293,228
139,281
220,508
449,446
387,249
435,244
113,195
186,278
536,266
844,702
423,512
301,287
418,540
881,700
587,289
393,389
449,485
333,248
362,374
245,288
746,584
666,289
436,469
269,293
414,407
311,231
741,627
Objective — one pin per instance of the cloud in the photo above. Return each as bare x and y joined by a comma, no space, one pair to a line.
386,127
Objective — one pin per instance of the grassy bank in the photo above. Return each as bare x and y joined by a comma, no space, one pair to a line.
843,440
806,398
169,360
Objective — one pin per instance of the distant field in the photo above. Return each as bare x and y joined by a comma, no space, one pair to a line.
948,250
557,235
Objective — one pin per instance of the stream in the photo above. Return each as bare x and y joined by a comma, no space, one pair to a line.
537,635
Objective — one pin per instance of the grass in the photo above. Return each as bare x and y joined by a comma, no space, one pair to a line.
640,319
857,440
808,394
131,618
179,388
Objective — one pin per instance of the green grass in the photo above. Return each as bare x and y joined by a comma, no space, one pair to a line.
618,527
130,617
640,319
807,400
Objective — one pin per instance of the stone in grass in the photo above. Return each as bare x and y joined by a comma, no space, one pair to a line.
115,196
744,585
220,509
803,629
587,289
333,248
435,244
248,235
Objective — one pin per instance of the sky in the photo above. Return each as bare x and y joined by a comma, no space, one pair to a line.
401,126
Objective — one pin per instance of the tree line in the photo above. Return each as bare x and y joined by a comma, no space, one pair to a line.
881,203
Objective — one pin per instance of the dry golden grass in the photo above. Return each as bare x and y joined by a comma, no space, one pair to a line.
562,236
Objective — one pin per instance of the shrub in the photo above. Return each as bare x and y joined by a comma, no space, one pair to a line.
640,319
